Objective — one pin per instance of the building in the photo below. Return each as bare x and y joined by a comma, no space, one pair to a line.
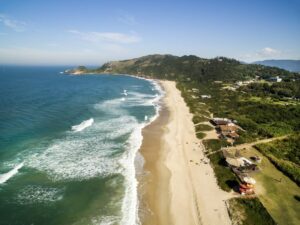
275,79
220,121
205,96
228,131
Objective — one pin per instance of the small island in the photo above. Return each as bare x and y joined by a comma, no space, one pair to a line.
80,70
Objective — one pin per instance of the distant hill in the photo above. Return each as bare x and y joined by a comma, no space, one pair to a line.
290,65
190,67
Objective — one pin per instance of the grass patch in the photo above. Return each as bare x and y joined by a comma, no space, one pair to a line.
199,119
200,135
285,155
214,144
248,212
203,127
225,178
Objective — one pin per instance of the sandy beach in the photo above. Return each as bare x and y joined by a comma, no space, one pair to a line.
178,185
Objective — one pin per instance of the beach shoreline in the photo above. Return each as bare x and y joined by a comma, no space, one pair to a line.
177,187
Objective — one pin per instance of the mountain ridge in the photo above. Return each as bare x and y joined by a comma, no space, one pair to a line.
172,67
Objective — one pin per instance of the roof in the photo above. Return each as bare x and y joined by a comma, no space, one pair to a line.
238,162
233,135
234,162
228,128
249,180
221,121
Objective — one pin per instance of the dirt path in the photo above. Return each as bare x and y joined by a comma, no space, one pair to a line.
248,145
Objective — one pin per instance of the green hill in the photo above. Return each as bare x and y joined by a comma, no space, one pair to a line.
192,67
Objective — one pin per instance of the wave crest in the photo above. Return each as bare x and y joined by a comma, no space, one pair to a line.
6,176
83,125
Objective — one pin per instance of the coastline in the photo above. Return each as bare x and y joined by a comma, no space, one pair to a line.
153,183
177,187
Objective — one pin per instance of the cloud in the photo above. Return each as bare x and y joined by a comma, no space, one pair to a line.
126,18
269,52
15,25
108,37
265,53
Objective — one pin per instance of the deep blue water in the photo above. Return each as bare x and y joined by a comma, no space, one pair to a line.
52,172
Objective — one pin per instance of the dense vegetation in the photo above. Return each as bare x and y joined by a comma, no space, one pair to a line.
248,212
289,89
285,155
260,117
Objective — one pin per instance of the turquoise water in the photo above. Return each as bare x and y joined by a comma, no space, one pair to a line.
69,145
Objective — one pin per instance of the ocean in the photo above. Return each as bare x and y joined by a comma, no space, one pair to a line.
69,146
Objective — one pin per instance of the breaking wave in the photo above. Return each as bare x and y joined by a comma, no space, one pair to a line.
6,176
83,125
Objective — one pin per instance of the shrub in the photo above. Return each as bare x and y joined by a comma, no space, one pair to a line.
214,144
203,127
200,135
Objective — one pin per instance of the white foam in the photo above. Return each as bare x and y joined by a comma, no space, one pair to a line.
111,107
125,92
76,159
38,194
85,155
6,176
83,125
130,201
139,99
106,220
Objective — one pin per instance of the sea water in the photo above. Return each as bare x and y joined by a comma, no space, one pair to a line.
69,144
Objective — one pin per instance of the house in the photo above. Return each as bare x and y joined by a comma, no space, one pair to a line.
275,79
205,96
220,121
227,129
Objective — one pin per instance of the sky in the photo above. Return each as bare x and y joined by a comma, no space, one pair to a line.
92,32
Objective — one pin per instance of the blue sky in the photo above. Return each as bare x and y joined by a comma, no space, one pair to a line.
91,32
